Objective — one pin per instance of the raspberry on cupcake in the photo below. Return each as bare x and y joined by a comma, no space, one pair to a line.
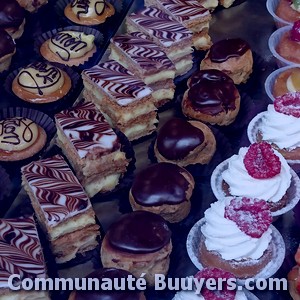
294,278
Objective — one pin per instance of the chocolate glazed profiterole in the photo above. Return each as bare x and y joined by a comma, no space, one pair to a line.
140,242
7,50
231,56
12,18
164,189
211,97
184,142
109,273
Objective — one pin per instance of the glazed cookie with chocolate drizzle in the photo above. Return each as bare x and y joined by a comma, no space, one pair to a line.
20,138
41,82
89,12
69,47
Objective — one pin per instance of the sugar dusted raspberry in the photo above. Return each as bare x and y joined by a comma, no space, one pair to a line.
252,216
295,31
261,162
288,104
215,273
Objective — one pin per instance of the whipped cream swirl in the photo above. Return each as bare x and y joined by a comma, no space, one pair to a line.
242,184
280,129
224,236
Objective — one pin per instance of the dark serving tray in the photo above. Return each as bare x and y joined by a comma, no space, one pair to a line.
250,21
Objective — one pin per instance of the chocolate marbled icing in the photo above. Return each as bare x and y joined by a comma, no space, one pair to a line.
139,232
85,5
11,14
87,130
160,184
20,250
106,273
177,138
161,26
118,82
7,44
146,54
184,10
212,92
56,188
228,48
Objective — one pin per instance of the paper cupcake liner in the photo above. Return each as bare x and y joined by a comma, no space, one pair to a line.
93,60
293,191
39,118
273,42
277,243
51,107
253,130
223,151
270,81
271,7
61,4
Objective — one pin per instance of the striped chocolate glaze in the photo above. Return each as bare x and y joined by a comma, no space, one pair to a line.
87,130
20,250
56,188
161,26
118,82
184,10
143,52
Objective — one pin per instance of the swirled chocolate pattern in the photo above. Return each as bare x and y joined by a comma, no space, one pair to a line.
160,25
118,82
89,7
143,52
184,10
87,130
40,78
17,133
20,250
56,188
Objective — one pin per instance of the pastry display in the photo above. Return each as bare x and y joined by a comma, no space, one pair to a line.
89,12
172,37
32,5
184,143
262,173
237,236
293,278
69,47
12,18
21,254
20,138
231,56
164,189
122,97
279,126
288,44
102,275
7,50
211,97
139,242
62,207
146,60
288,10
192,15
91,146
41,82
287,81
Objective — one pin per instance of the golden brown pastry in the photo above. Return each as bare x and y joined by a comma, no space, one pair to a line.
32,5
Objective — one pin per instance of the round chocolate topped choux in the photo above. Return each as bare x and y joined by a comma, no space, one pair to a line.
211,97
164,189
139,242
12,18
100,294
231,56
184,143
7,50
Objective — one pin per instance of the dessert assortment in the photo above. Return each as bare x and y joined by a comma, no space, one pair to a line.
154,60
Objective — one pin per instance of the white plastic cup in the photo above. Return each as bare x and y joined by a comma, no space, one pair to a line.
271,7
